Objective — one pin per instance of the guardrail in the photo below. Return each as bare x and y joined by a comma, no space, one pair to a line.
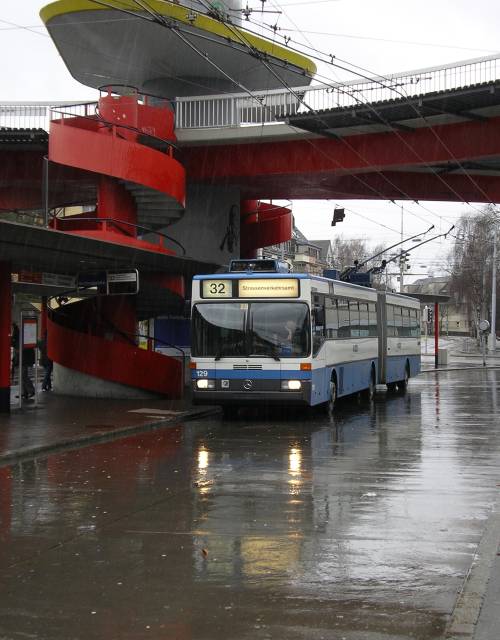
276,105
266,107
37,115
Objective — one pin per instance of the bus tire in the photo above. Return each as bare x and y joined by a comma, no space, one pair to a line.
391,386
403,384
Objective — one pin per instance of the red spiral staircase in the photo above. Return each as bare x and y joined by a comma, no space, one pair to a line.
129,148
263,224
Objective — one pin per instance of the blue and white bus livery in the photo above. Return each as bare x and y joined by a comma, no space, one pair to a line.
263,336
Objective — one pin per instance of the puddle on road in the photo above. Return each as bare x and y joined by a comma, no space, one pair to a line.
361,527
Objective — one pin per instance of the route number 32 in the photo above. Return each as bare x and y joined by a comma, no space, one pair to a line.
217,289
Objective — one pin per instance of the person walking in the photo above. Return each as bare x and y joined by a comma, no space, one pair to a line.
28,362
14,343
46,363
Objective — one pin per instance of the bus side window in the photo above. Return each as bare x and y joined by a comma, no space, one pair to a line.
318,322
391,329
406,322
398,322
331,318
344,322
354,315
372,319
363,320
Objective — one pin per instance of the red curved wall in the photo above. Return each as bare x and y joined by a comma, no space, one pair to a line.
117,361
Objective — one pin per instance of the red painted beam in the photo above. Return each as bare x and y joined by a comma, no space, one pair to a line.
440,144
387,185
392,185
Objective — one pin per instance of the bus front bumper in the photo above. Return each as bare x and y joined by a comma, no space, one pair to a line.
254,397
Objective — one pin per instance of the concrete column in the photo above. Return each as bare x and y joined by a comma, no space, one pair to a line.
5,338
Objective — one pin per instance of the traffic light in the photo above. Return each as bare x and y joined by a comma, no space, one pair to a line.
404,261
338,216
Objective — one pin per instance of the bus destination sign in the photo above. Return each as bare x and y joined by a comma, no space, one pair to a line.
251,288
269,288
217,289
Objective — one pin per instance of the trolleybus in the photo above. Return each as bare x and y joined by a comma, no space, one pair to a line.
261,334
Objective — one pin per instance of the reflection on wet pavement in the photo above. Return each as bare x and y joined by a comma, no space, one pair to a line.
363,527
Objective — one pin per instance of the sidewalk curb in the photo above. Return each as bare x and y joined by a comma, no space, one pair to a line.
470,368
79,442
467,609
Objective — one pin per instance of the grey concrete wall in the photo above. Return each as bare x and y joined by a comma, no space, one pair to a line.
205,228
74,383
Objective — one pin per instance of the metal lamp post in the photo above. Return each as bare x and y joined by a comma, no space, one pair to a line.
493,338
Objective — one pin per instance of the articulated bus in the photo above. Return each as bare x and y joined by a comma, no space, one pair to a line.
262,335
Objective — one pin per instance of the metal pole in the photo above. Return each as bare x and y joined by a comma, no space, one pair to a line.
493,338
436,334
401,262
483,295
45,188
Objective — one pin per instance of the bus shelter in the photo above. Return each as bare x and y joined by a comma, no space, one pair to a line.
433,300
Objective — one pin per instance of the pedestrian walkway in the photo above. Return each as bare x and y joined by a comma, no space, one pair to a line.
462,353
59,422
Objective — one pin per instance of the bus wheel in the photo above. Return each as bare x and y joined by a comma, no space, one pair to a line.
369,393
403,384
332,398
391,386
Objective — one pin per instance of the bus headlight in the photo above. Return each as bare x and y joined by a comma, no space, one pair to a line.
204,383
291,385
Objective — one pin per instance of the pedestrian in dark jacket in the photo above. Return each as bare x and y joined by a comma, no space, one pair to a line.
14,343
46,363
28,362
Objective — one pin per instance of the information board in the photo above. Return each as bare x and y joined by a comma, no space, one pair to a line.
269,288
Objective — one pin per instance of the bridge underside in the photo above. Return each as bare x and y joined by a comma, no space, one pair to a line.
441,146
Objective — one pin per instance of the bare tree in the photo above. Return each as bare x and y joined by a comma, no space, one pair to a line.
471,263
347,251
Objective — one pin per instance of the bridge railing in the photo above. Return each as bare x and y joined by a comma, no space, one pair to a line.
234,110
37,115
266,107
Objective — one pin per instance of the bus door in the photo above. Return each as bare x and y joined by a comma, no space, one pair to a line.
320,374
382,336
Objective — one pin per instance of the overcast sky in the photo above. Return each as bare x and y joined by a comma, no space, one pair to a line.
385,36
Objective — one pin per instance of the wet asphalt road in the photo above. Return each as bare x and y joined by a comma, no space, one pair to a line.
362,527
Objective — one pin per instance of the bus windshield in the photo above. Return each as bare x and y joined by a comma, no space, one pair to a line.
235,329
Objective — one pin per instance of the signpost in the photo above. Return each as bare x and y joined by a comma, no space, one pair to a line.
108,283
484,327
